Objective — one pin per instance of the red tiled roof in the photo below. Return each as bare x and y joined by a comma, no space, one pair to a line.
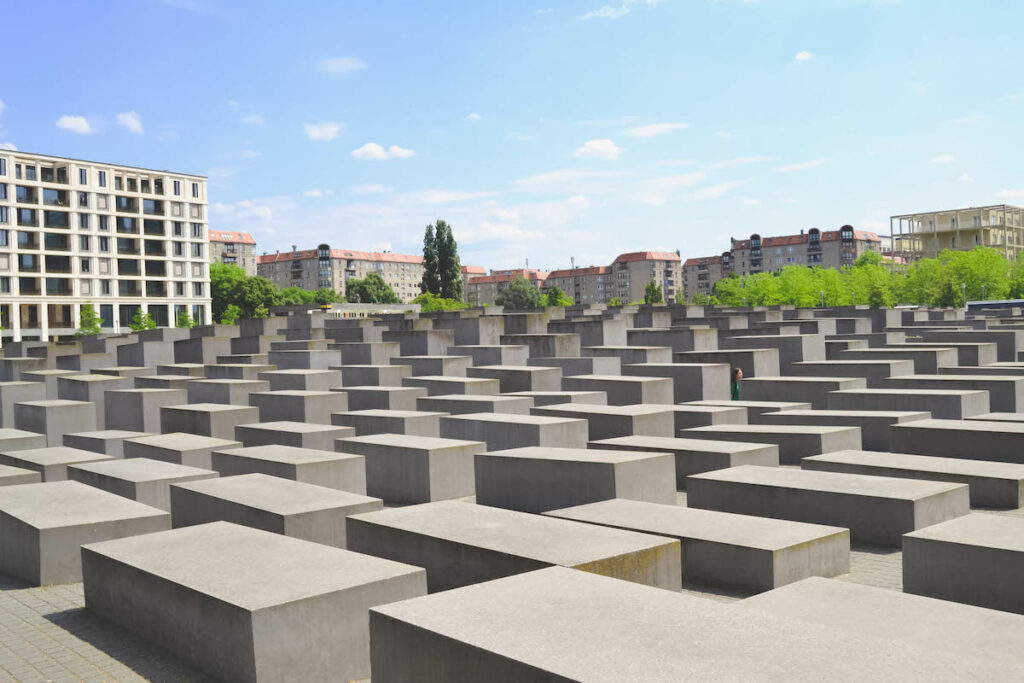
386,257
569,272
475,270
230,236
647,256
705,259
508,276
826,236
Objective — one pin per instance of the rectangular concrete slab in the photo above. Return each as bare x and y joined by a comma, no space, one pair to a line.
501,432
605,422
50,462
324,468
288,433
282,506
874,424
244,604
1000,441
43,526
463,404
140,479
11,476
181,448
794,441
541,479
724,550
410,422
876,510
108,441
207,419
463,543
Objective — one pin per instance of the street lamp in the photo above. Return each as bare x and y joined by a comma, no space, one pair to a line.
963,289
822,298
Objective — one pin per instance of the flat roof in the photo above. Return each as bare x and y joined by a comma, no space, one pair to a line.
104,163
963,208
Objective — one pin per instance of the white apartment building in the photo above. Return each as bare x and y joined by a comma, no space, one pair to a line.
118,237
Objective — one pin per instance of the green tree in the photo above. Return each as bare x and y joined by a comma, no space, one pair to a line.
142,321
256,291
431,302
615,301
556,297
186,320
448,267
520,295
730,291
700,299
261,312
797,286
370,290
90,322
227,282
431,280
231,314
652,293
326,295
296,296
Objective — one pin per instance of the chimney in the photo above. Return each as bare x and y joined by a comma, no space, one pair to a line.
293,247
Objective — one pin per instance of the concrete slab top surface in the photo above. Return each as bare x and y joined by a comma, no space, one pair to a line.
967,425
57,504
183,441
11,433
555,541
681,522
452,380
991,417
93,378
141,469
209,407
582,455
276,495
246,567
911,391
224,381
960,378
475,398
985,530
11,471
801,379
769,429
674,444
987,633
924,463
144,390
634,379
109,433
882,414
288,454
295,392
585,627
60,402
411,441
382,412
834,482
584,409
295,427
504,418
778,405
56,455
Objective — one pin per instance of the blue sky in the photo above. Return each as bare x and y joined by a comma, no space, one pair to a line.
540,131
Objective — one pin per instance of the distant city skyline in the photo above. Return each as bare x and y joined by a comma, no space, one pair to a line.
542,132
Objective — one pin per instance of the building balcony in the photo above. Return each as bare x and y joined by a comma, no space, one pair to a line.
26,195
58,286
54,175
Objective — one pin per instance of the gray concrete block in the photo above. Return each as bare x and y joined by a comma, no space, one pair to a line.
12,393
454,366
541,479
875,425
876,510
297,434
501,432
605,422
20,440
12,476
302,380
108,441
374,375
409,422
948,404
181,448
753,362
140,479
138,410
462,404
1006,394
299,406
693,456
1001,441
794,441
249,371
47,377
462,543
630,354
228,391
520,377
493,354
404,469
874,372
813,390
163,382
342,471
926,360
281,506
92,389
690,381
594,365
687,416
755,409
207,419
51,462
43,527
442,386
724,550
546,345
550,398
623,391
384,398
248,605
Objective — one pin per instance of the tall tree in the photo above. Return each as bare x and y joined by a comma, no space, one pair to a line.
520,295
370,290
448,267
90,322
652,293
431,281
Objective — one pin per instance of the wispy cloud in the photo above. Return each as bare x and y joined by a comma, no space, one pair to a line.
1010,194
324,131
75,124
617,11
131,120
2,107
370,188
967,120
250,154
661,190
655,129
714,191
371,151
473,116
252,120
943,159
341,65
317,193
739,161
449,196
598,149
8,146
964,178
804,56
801,166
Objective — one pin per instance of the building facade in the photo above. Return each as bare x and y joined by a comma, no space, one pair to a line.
117,237
590,285
484,289
238,248
632,272
314,269
925,235
701,274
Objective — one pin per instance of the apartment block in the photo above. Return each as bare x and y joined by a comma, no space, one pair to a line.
118,237
484,289
632,272
590,285
238,248
331,268
924,235
701,274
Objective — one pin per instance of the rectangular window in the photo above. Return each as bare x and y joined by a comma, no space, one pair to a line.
177,187
3,166
104,223
104,244
101,177
30,173
179,229
83,199
5,285
83,176
5,238
195,189
197,288
101,201
179,249
83,242
3,190
118,183
105,287
83,221
3,215
85,265
197,250
197,229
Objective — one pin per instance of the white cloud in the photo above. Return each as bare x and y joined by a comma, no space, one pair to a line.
473,116
325,131
964,178
676,162
233,103
655,129
250,154
252,120
943,159
75,124
449,196
714,191
370,188
658,191
598,149
2,107
967,120
739,161
9,146
617,11
1010,194
317,193
541,12
521,137
787,200
804,56
131,121
570,180
342,65
801,166
167,135
371,151
750,201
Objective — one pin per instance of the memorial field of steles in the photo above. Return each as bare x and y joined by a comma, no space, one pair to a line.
443,497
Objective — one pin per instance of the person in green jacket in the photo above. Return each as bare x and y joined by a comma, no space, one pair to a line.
734,385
